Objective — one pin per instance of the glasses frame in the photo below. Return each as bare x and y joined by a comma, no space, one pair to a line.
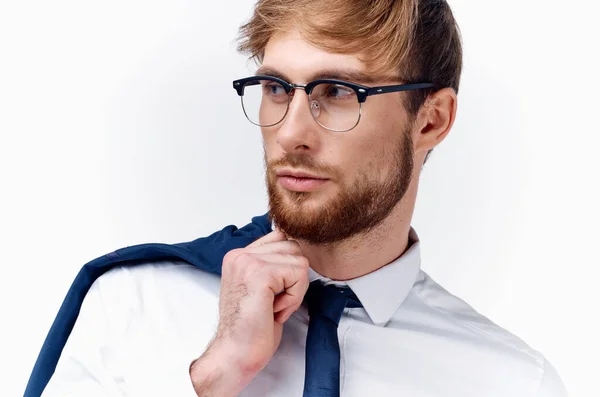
362,92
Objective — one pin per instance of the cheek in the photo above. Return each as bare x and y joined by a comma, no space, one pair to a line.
371,140
374,153
385,116
272,150
362,155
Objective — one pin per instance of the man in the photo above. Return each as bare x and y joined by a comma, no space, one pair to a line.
351,97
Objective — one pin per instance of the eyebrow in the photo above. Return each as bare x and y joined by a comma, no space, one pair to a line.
349,75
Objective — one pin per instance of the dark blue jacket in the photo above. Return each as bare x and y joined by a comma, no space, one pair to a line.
206,253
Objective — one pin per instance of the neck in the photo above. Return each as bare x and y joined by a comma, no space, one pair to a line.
365,253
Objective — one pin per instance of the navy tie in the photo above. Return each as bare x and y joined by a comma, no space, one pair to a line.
325,304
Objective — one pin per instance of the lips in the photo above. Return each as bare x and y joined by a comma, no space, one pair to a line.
303,177
301,184
299,175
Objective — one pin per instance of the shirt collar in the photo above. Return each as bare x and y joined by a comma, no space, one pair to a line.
382,292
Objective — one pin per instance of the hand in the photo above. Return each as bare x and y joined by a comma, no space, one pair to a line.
261,286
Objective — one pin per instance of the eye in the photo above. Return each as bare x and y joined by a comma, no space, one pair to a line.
339,91
273,89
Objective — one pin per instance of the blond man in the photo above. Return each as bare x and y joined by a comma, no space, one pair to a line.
323,295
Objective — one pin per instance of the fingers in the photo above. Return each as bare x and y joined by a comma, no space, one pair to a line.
280,271
274,236
270,243
284,247
283,301
275,265
291,274
284,315
287,303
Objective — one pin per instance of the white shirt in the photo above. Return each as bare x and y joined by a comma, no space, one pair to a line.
141,326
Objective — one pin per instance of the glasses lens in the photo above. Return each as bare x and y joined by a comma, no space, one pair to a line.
334,106
265,102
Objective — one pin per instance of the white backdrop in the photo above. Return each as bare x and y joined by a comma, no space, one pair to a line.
118,126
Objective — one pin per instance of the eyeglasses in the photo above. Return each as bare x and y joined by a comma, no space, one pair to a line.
334,104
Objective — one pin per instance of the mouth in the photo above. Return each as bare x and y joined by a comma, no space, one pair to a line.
301,184
298,174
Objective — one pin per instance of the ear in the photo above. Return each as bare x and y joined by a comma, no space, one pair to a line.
435,119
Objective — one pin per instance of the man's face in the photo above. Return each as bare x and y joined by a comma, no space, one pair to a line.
368,168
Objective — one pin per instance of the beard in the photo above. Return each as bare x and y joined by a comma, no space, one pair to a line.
356,209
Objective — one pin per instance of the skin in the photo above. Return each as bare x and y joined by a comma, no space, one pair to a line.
366,156
354,224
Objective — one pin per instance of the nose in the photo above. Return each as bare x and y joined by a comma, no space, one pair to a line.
299,131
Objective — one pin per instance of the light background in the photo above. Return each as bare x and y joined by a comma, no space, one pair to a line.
118,126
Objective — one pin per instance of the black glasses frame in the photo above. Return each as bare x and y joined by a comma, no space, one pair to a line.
362,92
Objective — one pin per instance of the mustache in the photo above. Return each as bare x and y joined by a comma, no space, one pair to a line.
302,161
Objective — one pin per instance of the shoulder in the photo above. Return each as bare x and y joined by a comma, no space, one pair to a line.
488,343
157,271
140,283
456,311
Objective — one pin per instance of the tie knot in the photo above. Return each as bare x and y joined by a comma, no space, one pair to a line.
329,300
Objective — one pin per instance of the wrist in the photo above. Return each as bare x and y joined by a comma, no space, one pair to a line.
220,372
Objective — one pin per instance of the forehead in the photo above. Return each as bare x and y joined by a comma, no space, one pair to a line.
299,61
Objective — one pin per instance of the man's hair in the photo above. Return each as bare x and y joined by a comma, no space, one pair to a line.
419,39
